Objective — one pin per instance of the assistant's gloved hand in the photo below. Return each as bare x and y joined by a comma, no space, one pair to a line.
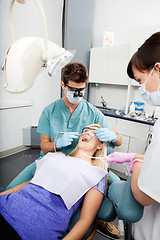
120,157
66,139
135,160
106,135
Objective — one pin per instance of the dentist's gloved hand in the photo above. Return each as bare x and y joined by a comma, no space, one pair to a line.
106,135
120,157
66,139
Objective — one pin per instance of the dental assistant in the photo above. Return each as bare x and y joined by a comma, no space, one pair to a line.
144,67
71,114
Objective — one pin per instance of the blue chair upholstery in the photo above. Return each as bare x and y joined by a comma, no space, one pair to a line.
127,208
25,176
2,189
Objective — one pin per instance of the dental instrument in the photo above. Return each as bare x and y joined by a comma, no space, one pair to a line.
80,134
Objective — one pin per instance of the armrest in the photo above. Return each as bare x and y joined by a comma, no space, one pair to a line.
107,211
127,207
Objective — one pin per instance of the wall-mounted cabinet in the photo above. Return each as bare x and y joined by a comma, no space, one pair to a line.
99,60
108,65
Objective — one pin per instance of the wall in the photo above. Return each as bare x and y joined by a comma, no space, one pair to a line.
29,105
121,17
79,21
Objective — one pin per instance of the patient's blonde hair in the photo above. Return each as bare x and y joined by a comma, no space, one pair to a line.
99,153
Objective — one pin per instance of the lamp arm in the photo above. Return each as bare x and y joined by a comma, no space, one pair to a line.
45,33
10,21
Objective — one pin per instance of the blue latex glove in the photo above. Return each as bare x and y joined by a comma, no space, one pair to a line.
66,139
106,135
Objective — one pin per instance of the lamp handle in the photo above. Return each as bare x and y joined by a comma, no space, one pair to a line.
45,53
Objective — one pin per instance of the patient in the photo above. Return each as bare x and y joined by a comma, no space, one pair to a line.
42,208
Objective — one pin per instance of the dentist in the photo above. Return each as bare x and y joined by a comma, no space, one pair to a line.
71,114
144,67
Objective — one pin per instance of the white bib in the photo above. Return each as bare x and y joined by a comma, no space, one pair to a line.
68,177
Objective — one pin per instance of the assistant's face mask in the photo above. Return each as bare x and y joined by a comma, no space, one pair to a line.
152,98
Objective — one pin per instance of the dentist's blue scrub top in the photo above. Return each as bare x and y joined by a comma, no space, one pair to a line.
56,118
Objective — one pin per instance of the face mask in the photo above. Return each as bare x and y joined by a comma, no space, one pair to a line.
152,98
71,98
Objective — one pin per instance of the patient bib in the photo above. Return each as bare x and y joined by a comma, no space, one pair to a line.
69,177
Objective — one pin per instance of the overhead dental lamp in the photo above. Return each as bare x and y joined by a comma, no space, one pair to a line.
28,55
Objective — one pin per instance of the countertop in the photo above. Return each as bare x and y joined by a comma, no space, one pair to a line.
111,112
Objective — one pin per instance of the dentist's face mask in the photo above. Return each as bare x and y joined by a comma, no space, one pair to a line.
75,95
152,98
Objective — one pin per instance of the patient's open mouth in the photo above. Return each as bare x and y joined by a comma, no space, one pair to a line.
85,139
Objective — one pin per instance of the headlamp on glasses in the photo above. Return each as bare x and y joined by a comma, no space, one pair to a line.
78,92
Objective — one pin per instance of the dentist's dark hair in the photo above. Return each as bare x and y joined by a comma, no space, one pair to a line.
75,72
146,56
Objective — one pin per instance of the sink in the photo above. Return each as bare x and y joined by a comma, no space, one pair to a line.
106,109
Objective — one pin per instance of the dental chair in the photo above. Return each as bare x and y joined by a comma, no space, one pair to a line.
127,208
118,203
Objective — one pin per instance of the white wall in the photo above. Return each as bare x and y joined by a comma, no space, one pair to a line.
27,22
120,17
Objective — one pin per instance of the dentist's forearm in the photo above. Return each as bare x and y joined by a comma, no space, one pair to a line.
47,147
46,144
118,142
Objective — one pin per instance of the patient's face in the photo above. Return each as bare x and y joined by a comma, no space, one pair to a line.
88,140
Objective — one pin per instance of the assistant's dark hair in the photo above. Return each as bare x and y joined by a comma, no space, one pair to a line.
75,72
146,56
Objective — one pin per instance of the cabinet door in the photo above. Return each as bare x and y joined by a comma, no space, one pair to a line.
112,121
118,61
99,65
109,65
125,144
122,148
132,129
137,146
